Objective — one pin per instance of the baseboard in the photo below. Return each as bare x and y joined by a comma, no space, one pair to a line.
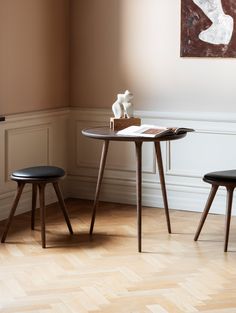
122,191
24,205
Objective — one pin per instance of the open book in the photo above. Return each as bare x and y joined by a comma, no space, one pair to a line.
153,131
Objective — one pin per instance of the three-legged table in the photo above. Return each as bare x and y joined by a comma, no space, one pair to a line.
107,135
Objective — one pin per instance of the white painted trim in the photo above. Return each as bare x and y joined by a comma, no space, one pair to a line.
186,198
50,128
185,188
228,117
36,115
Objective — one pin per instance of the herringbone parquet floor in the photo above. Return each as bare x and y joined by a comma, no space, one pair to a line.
77,274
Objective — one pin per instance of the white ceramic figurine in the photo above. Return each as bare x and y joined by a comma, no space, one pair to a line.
122,107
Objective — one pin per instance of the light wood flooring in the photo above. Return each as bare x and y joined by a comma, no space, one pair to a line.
77,274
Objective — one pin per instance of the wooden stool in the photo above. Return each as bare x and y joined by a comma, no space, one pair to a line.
38,176
216,179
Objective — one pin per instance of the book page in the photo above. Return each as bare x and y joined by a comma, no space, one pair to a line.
146,130
143,130
154,131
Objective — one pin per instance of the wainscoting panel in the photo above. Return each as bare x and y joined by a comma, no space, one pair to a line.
27,146
209,148
201,152
54,137
26,140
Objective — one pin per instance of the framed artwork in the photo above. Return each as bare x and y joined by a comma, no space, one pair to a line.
208,28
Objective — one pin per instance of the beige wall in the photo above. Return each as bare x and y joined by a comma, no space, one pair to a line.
134,44
115,45
34,55
95,52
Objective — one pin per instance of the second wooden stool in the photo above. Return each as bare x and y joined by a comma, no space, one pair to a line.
216,179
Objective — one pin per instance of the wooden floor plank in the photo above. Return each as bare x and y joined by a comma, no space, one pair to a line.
105,273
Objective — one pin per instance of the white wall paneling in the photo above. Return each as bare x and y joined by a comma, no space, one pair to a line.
27,146
54,137
30,140
209,148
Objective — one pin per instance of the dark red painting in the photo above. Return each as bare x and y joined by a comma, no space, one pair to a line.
208,28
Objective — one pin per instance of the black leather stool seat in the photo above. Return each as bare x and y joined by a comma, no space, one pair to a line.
38,177
226,176
39,172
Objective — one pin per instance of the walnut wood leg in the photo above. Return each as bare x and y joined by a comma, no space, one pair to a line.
211,197
20,187
62,205
42,212
162,181
99,182
138,145
229,200
34,200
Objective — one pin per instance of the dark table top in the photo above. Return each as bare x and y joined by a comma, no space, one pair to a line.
105,133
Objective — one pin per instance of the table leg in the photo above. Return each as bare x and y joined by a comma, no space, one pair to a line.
138,145
163,185
99,182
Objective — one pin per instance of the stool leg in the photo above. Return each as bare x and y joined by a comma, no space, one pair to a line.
62,205
20,187
42,212
34,200
206,210
229,201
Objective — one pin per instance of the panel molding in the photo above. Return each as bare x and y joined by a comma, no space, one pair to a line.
80,156
45,132
186,190
12,155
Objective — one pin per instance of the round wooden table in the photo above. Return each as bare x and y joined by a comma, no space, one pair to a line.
106,134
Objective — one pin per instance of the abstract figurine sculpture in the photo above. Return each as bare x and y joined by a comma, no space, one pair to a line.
122,107
123,112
